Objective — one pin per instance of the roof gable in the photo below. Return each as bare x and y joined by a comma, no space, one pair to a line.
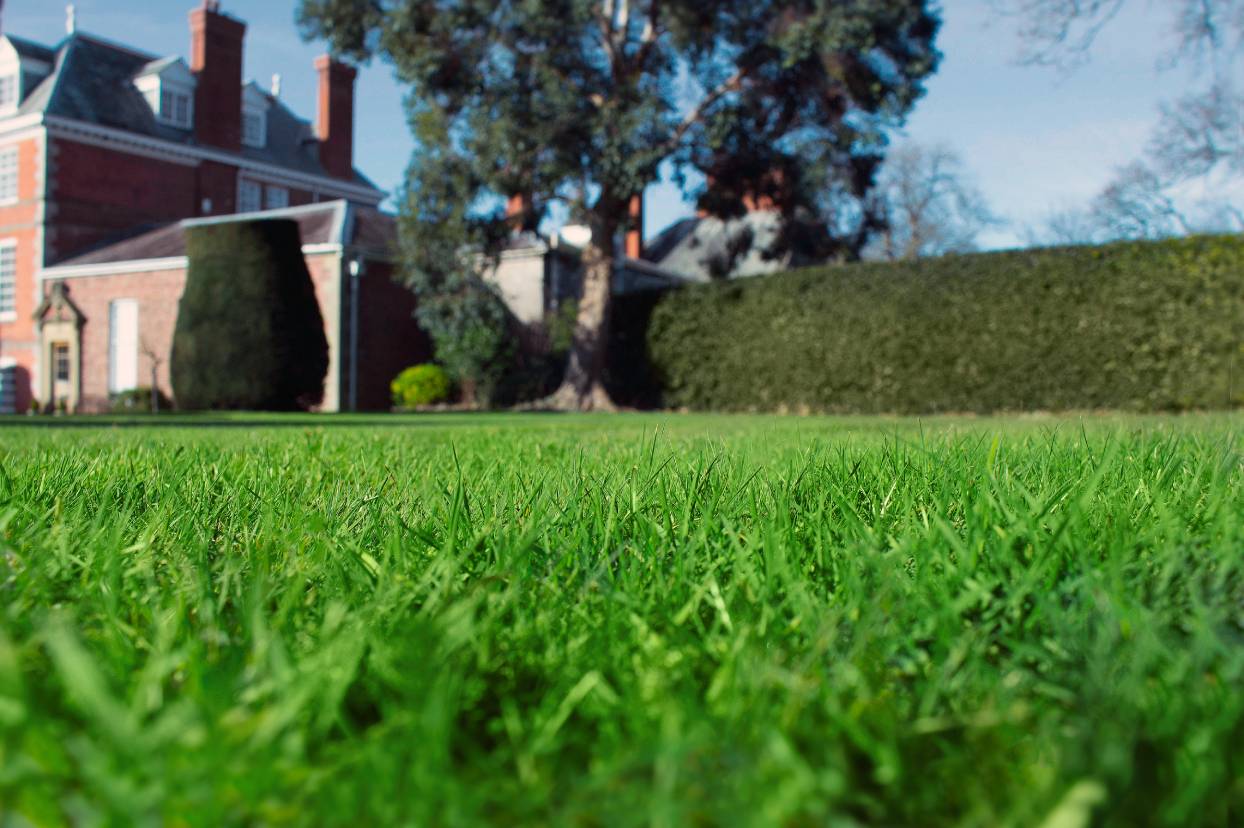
254,97
171,70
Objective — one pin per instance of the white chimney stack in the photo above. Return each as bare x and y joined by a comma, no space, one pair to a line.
276,86
71,19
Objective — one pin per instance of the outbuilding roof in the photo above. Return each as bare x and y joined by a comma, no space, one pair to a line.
327,223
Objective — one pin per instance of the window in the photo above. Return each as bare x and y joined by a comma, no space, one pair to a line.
253,129
8,175
255,104
168,85
249,196
175,108
8,279
276,198
60,361
8,388
9,91
122,345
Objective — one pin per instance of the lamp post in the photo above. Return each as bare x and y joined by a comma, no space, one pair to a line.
357,267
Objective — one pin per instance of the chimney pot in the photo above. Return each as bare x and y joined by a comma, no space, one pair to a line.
516,208
635,225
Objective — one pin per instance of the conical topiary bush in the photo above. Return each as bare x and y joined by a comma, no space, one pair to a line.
249,332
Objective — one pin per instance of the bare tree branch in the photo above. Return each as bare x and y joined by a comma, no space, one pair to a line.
731,84
930,206
1199,133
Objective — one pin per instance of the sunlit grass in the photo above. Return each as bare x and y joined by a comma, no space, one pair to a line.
631,620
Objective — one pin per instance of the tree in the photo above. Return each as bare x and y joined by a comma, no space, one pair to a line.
580,102
929,206
1062,32
1199,135
249,333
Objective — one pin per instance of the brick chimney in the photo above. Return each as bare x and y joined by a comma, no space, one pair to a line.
335,119
635,223
517,208
216,60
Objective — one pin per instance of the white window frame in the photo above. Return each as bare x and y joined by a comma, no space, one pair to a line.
275,198
10,79
8,306
59,348
176,107
170,94
257,137
255,103
250,195
10,175
116,382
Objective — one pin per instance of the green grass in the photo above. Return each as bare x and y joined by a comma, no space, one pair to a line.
637,620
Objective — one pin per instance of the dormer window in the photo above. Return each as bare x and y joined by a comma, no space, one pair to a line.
252,129
10,86
22,66
168,85
255,104
175,108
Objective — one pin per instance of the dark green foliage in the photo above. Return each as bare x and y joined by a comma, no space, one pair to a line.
420,385
137,401
1142,326
579,103
249,331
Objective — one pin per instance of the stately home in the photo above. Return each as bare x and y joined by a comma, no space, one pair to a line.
107,154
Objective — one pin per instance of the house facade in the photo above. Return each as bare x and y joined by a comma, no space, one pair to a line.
108,153
537,273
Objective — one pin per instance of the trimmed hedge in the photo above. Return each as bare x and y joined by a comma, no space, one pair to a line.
249,332
1147,326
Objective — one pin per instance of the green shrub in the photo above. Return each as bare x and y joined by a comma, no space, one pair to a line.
137,401
420,385
1147,326
249,332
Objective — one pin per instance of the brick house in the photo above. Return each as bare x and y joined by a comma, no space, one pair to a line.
107,154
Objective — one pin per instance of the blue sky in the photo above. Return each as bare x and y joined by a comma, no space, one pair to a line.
1033,139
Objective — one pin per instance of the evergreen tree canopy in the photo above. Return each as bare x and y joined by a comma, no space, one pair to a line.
249,332
581,101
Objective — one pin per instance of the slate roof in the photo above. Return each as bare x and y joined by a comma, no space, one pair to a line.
30,49
699,249
321,223
92,82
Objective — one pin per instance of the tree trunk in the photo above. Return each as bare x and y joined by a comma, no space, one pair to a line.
582,388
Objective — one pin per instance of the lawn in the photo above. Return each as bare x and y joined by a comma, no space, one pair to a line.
636,620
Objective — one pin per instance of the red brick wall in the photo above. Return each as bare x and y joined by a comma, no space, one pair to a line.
325,272
157,294
297,198
218,183
389,338
96,193
19,222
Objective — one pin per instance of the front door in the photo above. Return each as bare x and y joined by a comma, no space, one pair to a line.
61,360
